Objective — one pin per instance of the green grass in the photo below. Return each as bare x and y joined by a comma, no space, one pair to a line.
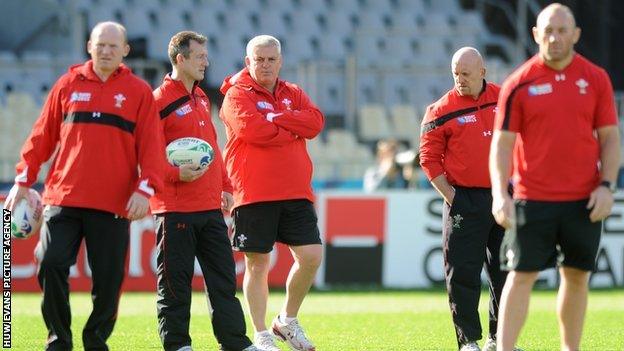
338,321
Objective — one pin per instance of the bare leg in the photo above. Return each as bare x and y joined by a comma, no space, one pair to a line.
256,287
301,276
514,308
571,306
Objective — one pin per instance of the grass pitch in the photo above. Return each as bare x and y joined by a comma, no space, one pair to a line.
337,321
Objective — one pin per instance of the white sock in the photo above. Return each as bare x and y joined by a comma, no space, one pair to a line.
262,332
285,319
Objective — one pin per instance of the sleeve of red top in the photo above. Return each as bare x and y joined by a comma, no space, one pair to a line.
251,126
43,138
306,122
227,184
150,143
432,146
225,180
508,115
605,114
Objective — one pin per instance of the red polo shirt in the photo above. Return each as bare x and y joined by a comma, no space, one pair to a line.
456,135
556,113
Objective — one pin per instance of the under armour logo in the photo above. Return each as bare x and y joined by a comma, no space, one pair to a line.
181,225
487,133
96,115
241,240
202,123
560,77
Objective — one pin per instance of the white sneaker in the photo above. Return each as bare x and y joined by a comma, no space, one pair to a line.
292,334
490,345
470,346
185,348
265,342
251,348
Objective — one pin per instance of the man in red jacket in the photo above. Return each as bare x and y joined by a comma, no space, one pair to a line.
188,210
556,113
268,121
104,121
454,149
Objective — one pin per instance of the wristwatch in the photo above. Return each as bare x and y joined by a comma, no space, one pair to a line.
608,185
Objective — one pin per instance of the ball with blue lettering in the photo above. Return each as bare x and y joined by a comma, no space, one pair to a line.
27,216
193,151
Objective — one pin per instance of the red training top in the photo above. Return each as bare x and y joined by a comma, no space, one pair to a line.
268,161
456,134
188,115
105,132
555,114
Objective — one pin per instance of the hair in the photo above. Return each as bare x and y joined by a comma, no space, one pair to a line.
180,43
263,40
101,25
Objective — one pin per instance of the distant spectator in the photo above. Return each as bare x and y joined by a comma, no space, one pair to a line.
386,173
415,177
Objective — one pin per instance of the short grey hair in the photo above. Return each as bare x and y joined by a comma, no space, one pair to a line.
263,40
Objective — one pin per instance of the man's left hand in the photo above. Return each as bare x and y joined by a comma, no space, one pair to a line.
227,201
601,202
137,206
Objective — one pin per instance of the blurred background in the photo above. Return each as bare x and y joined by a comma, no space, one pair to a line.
372,66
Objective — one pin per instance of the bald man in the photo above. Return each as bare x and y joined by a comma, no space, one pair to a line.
104,120
454,148
558,110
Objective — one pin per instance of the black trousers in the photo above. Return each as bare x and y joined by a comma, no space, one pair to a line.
472,240
106,237
180,238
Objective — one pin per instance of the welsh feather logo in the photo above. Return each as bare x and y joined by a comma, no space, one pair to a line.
582,84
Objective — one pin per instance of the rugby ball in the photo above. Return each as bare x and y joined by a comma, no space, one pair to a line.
27,216
193,151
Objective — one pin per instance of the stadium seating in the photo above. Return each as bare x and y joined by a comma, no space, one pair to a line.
402,49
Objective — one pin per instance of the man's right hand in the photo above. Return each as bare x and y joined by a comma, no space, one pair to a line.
16,193
189,174
503,210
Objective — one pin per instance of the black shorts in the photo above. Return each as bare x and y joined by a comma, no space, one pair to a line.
259,225
550,233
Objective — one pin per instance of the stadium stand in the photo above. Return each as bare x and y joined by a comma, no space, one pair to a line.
371,65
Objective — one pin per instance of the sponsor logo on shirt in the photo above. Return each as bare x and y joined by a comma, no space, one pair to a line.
205,103
119,99
540,89
582,84
467,119
186,109
487,133
264,105
78,96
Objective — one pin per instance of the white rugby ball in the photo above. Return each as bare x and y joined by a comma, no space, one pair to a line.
26,219
193,151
